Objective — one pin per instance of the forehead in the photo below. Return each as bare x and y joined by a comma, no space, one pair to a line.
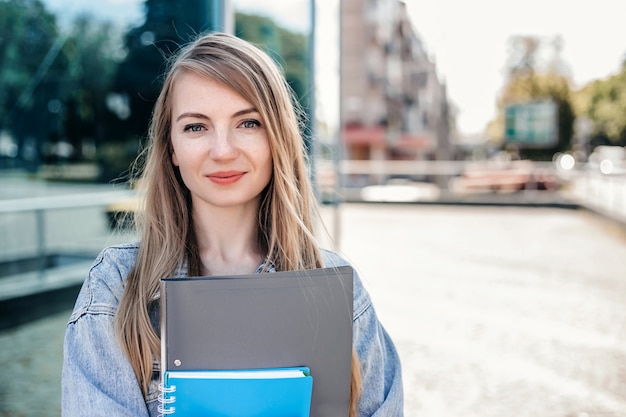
192,89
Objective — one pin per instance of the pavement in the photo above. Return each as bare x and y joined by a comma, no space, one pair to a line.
496,311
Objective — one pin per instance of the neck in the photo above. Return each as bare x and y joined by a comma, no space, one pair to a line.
228,240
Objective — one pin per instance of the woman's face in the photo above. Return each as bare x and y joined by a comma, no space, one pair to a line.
219,143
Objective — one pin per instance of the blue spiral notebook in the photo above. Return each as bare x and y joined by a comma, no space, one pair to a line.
243,393
269,321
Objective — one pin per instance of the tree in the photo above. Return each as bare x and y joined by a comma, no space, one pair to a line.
92,51
26,87
604,103
529,79
56,92
289,50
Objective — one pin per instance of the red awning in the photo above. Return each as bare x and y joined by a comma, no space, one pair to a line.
377,136
364,135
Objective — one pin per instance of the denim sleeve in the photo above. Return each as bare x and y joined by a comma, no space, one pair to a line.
382,388
382,393
97,379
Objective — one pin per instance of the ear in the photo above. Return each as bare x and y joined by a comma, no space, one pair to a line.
174,159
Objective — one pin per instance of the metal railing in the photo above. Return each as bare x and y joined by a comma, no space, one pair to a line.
602,193
17,226
468,181
433,180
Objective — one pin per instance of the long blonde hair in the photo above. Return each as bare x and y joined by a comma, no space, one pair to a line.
165,222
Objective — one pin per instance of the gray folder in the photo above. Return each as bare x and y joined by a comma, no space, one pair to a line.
273,320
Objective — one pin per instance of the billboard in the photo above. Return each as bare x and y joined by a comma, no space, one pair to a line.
532,124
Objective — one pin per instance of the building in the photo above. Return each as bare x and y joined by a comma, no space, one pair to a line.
394,107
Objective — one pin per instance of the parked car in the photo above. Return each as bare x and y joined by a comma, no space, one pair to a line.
503,176
608,160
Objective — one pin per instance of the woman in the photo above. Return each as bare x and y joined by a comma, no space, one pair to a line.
226,191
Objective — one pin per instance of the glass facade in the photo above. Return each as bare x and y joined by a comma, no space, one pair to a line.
84,91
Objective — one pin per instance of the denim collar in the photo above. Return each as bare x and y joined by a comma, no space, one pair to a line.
266,266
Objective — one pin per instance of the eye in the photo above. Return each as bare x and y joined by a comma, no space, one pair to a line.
250,124
194,127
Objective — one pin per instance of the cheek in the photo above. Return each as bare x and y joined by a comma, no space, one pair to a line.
183,153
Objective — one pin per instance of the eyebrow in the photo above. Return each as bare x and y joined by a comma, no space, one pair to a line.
203,116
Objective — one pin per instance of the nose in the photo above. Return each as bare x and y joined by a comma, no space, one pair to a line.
222,146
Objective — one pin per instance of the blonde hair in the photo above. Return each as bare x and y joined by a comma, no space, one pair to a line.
165,222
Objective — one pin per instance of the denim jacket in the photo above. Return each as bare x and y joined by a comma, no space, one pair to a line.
98,379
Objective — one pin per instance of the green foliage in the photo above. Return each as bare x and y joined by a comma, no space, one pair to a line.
289,49
54,82
25,26
530,86
92,52
604,103
526,84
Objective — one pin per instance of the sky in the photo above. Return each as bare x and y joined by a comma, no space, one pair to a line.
468,42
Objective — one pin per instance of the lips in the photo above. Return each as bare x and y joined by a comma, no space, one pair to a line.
225,177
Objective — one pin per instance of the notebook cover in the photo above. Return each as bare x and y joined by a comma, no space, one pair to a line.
268,320
236,397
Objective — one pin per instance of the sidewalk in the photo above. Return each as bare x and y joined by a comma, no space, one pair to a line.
497,311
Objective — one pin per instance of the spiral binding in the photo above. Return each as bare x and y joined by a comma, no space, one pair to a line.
165,400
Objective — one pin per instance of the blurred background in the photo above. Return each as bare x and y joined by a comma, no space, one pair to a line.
469,157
